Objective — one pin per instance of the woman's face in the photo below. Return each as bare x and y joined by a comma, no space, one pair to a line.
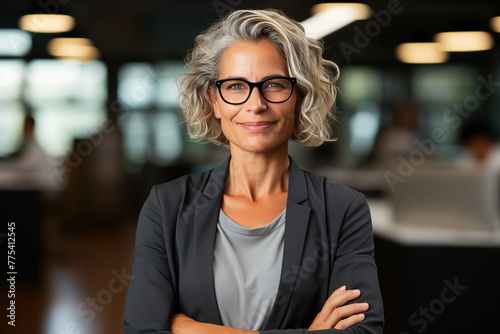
257,125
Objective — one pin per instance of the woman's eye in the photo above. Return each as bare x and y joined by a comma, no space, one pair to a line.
235,86
274,85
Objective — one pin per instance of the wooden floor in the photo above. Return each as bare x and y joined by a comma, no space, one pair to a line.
83,283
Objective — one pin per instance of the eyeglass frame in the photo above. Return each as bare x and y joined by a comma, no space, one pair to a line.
218,84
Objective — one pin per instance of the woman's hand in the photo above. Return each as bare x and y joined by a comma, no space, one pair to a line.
335,314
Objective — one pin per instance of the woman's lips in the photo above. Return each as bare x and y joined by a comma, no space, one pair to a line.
257,126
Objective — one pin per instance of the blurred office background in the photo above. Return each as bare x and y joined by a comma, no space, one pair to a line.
85,134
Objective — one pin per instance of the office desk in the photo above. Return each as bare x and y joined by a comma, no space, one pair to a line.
436,280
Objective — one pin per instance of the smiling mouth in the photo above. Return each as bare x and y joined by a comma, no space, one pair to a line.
257,126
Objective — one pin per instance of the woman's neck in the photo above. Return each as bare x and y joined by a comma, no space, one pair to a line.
256,175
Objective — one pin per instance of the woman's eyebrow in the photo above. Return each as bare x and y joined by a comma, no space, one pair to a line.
264,78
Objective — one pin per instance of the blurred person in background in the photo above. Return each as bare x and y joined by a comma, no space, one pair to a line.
31,167
257,243
400,138
479,147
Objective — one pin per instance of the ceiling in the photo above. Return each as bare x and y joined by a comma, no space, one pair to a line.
151,30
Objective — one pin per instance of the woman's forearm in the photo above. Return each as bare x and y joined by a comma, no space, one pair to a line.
335,314
182,324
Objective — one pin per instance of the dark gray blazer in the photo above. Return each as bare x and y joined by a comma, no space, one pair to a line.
328,243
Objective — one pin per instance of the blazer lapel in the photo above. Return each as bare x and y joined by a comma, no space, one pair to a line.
205,228
297,220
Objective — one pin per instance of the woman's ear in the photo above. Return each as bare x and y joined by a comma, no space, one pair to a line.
213,99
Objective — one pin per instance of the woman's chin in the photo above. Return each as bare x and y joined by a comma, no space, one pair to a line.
261,147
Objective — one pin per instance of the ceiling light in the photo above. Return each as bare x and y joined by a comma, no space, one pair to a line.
80,49
56,43
421,53
329,17
362,10
495,23
14,43
462,41
47,23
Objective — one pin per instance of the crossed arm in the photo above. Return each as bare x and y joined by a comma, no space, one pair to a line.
334,314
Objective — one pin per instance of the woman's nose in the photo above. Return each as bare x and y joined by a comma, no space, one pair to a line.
256,102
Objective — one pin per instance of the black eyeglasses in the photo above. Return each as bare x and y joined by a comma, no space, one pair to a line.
238,91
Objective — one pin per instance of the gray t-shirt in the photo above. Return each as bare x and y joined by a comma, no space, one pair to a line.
247,268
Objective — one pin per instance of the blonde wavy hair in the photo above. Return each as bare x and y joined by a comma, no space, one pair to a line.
316,77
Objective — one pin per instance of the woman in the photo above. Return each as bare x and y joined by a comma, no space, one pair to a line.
256,244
